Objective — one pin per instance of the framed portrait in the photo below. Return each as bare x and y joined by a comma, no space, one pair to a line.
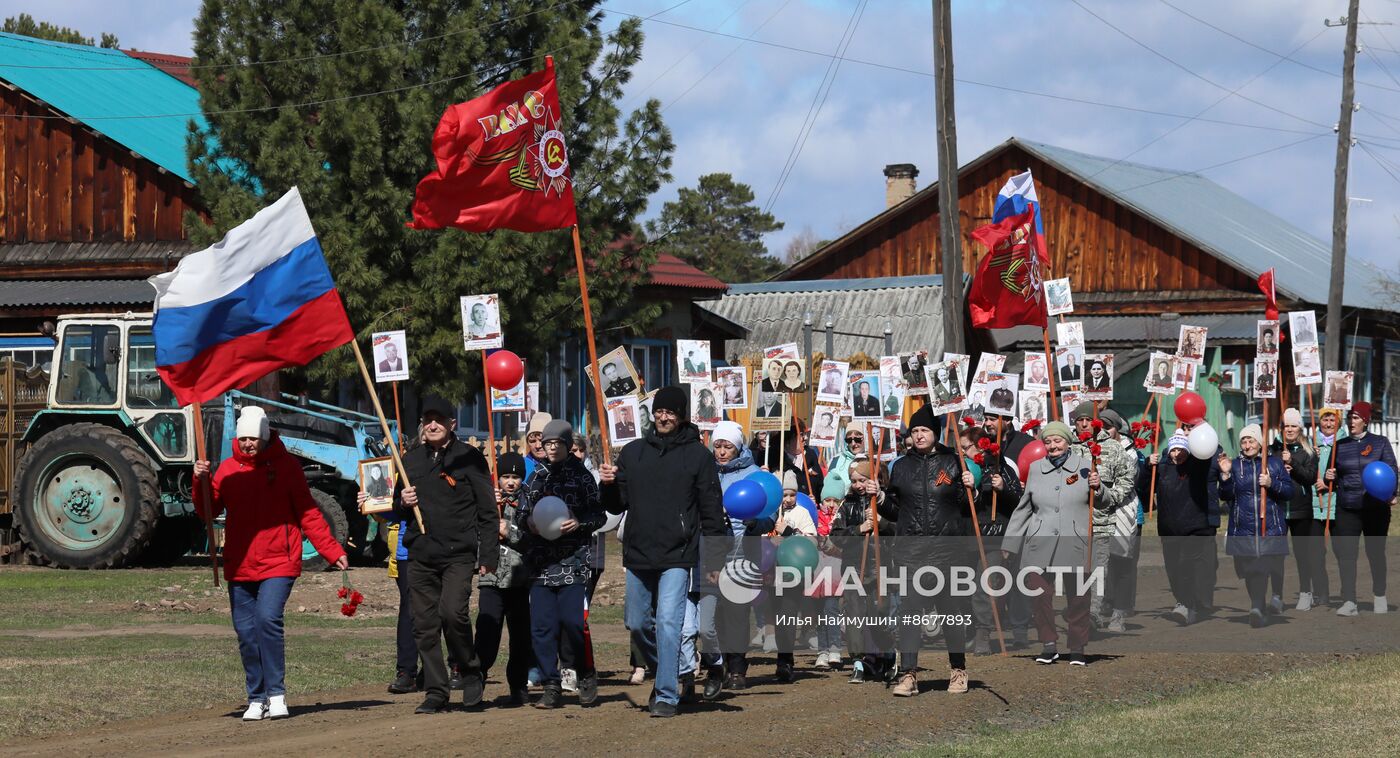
784,375
1191,345
1001,393
1160,374
378,478
619,376
831,386
732,383
1098,376
1033,407
1036,375
512,399
826,419
1307,365
890,374
945,383
624,423
770,411
532,406
390,356
891,404
481,322
986,364
1069,334
704,406
1058,298
1265,379
1069,366
1069,401
785,350
865,396
1267,340
644,423
1303,326
693,361
911,366
1185,375
1337,393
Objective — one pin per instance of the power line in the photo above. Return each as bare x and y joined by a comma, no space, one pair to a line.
638,96
1212,166
722,61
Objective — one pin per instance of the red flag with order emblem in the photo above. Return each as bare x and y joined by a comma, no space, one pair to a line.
1006,290
1266,285
502,162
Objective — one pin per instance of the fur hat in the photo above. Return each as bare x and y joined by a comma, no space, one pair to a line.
252,422
510,463
674,399
729,432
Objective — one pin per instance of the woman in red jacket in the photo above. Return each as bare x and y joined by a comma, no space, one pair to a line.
269,506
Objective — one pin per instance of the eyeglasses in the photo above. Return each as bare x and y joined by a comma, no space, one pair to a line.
553,443
663,413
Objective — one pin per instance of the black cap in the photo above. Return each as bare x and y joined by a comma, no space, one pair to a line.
924,417
674,399
510,463
440,407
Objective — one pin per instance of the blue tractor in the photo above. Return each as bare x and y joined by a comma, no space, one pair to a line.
102,474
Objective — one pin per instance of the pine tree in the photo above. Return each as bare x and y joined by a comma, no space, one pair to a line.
717,228
357,159
26,25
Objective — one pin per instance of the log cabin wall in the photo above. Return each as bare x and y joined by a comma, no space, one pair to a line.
1101,244
64,183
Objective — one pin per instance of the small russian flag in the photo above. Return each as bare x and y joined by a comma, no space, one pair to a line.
1014,198
260,299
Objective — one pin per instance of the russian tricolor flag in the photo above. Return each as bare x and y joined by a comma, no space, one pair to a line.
1014,198
260,299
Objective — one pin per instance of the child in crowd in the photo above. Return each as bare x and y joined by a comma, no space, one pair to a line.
505,592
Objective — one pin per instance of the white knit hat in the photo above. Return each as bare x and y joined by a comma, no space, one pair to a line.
789,480
1292,416
728,431
1254,431
252,422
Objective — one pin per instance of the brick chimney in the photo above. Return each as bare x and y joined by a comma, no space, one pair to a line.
899,183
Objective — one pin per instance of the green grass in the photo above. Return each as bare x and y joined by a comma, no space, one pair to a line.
1345,708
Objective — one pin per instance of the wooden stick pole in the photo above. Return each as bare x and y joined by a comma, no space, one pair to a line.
206,493
384,424
599,407
1050,373
490,422
875,502
1093,467
802,457
398,415
977,530
1156,438
1264,463
998,454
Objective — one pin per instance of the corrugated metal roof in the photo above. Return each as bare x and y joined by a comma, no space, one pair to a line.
94,85
773,313
85,252
1219,222
1113,331
43,292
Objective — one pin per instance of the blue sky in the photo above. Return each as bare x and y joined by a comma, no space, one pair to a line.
738,106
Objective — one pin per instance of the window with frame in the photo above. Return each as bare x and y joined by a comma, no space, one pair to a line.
89,357
1392,380
144,387
653,362
1358,361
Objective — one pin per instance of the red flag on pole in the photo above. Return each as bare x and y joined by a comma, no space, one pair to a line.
502,162
1006,290
1266,285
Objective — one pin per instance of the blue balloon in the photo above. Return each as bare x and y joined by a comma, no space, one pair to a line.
772,487
806,502
769,511
744,499
1379,480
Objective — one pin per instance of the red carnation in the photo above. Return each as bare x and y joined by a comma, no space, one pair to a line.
970,421
1097,424
983,443
347,609
1141,443
343,592
1030,426
356,598
1084,436
1136,426
1095,449
978,459
995,449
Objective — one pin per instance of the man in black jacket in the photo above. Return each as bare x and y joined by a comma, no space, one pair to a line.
668,485
1188,513
452,489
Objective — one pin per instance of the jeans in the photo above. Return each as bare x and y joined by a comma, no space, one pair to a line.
257,618
568,657
700,624
505,608
656,600
556,619
406,656
829,632
440,594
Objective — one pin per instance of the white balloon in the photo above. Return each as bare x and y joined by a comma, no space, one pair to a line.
548,516
612,522
1203,442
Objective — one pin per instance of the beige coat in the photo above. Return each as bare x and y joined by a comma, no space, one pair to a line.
1050,526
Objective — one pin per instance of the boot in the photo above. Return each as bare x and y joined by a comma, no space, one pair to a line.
403,683
552,697
588,689
785,674
714,682
431,704
981,644
687,688
907,686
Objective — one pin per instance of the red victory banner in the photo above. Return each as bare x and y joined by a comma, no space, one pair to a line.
1006,289
1266,285
502,162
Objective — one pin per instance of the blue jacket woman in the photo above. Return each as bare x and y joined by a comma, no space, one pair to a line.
1258,545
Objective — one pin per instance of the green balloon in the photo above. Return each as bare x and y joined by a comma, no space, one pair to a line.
798,553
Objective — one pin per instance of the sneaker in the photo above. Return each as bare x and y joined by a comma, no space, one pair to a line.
770,645
662,710
907,686
957,681
757,641
1048,654
1304,601
812,644
857,673
431,704
1076,658
714,684
256,711
473,687
568,680
588,689
277,707
833,659
1381,606
1348,609
1181,612
552,697
639,675
1118,623
454,681
784,673
1276,605
1256,618
981,644
403,683
821,663
1190,616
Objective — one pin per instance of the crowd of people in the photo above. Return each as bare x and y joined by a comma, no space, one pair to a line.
950,496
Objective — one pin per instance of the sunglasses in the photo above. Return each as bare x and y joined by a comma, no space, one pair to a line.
855,439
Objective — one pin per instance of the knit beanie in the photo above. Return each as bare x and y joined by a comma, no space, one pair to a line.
1057,429
1083,410
833,489
558,429
1363,410
1178,441
537,423
924,417
1111,417
729,432
789,480
252,422
1254,431
674,399
1293,417
510,463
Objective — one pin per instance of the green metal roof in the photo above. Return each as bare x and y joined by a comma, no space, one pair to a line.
128,100
1220,222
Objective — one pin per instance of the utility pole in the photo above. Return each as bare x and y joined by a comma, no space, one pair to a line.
1333,348
949,229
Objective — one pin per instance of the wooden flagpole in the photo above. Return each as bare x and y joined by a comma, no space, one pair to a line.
1264,463
802,456
1050,373
384,424
1093,468
490,421
1156,439
999,472
875,504
977,528
206,493
599,406
398,416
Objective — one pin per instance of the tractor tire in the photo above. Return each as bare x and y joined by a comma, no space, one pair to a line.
87,498
340,529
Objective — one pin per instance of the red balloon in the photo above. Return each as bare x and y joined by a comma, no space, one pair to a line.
1033,451
1190,408
504,370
